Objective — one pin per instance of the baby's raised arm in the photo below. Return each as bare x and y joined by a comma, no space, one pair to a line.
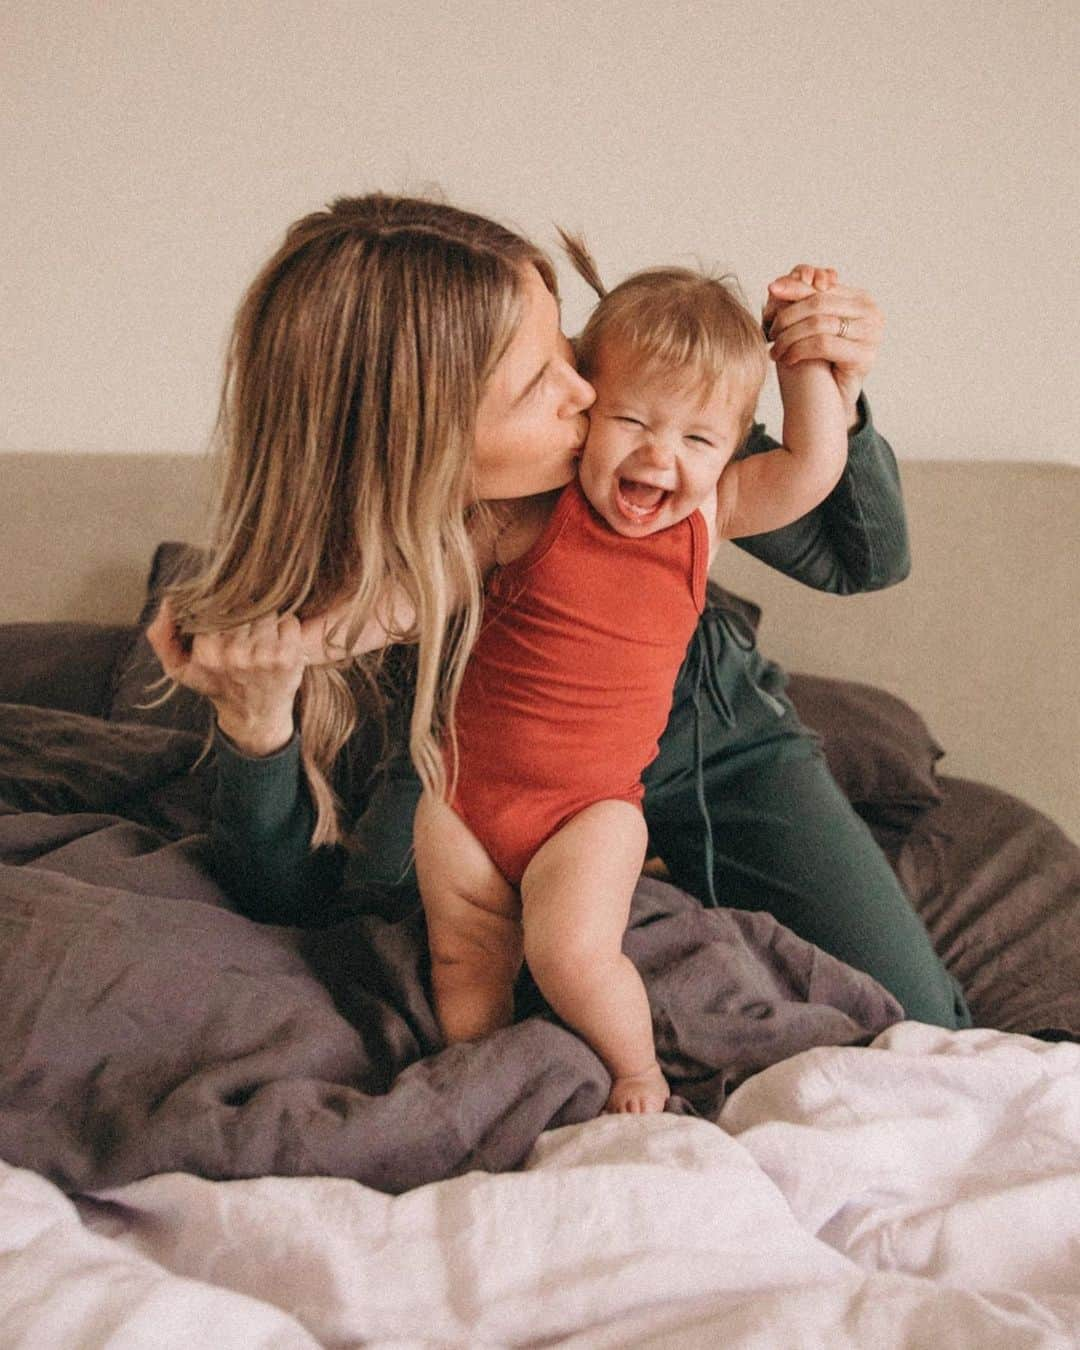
767,491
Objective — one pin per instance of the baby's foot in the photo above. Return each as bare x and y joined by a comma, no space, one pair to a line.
639,1093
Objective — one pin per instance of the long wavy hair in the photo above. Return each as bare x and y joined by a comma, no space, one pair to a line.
345,431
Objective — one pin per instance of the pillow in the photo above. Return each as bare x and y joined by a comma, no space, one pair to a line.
878,748
136,673
997,884
62,664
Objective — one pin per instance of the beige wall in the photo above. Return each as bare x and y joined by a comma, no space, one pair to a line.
154,152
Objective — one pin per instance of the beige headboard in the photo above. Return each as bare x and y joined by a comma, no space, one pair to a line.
983,638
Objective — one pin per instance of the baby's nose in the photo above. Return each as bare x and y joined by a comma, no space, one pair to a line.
657,451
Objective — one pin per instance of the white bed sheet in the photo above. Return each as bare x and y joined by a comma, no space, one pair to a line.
922,1192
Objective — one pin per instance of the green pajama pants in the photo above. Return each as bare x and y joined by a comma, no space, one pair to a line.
740,789
786,840
740,794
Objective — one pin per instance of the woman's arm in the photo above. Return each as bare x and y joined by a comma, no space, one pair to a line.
260,833
857,539
262,815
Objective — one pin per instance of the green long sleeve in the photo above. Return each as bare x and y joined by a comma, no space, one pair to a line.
260,835
857,539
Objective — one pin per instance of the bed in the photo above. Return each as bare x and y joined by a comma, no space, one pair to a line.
220,1133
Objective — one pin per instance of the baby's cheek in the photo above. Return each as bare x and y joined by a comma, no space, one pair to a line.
592,450
591,468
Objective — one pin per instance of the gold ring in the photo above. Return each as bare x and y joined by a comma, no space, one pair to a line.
845,323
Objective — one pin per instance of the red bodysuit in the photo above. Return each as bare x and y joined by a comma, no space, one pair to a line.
569,685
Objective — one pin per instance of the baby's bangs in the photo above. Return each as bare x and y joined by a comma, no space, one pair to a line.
671,340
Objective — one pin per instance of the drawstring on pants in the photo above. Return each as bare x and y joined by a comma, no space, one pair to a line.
706,649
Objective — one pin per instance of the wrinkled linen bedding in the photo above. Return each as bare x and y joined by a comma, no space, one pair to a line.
924,1191
224,1134
146,1028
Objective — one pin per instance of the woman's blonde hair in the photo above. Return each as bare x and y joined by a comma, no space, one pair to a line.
674,319
346,424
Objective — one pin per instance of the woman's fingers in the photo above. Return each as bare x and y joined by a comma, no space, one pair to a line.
269,651
803,281
809,316
272,649
164,638
265,655
189,661
250,673
839,302
783,291
270,644
830,322
811,336
182,660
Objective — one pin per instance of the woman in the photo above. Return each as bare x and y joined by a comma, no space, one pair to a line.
397,387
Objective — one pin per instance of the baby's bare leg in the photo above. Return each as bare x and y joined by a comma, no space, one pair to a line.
473,922
576,901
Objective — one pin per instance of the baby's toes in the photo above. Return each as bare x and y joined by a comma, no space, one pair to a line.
641,1094
653,1101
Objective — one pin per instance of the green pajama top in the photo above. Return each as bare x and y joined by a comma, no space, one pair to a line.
855,541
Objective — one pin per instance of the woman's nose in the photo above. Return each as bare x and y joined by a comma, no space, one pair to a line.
582,394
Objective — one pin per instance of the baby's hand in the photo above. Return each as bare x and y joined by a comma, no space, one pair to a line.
809,316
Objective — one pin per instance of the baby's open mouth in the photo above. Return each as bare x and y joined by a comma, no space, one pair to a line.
639,502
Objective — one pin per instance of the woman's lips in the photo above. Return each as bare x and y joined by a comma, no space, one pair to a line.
638,502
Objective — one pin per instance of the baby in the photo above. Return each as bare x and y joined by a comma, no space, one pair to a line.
591,599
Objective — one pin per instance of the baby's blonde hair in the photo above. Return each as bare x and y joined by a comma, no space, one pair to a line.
674,320
346,427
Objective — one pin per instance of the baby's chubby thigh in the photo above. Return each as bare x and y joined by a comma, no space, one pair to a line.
473,919
576,891
575,898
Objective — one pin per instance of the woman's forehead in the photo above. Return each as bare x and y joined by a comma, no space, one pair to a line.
539,308
536,338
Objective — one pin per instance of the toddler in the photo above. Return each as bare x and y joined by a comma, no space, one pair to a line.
592,594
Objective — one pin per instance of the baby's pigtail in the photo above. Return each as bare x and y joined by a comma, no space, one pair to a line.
584,263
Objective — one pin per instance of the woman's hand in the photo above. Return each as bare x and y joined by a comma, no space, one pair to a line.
810,317
249,673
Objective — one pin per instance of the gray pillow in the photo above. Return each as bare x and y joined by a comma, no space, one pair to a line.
62,664
878,748
136,689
